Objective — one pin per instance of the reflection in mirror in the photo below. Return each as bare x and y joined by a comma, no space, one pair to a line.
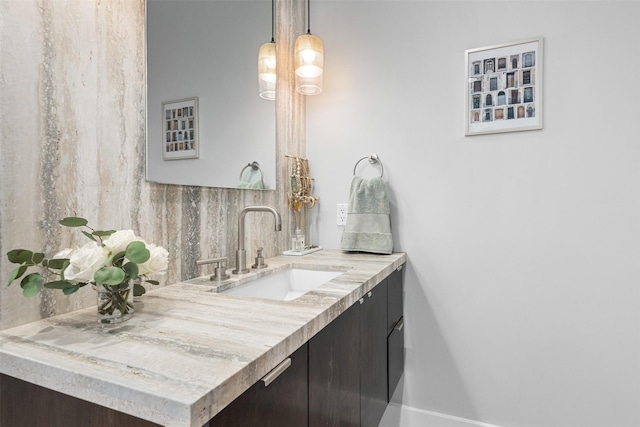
204,54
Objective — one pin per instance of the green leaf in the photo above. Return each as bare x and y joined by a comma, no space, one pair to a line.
19,256
101,233
117,259
153,282
109,276
31,284
58,263
71,289
17,273
89,235
38,257
131,268
138,290
73,221
137,252
58,284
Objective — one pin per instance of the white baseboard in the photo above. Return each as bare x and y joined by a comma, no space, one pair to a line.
405,416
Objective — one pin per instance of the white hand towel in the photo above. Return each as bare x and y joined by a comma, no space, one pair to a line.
368,227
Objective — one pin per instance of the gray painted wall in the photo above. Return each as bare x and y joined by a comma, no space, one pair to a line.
522,288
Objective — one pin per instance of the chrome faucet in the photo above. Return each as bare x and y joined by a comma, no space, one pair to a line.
241,254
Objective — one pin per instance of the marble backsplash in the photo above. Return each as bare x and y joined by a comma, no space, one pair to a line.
72,104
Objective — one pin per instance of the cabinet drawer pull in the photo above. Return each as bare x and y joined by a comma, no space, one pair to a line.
399,325
361,300
399,268
275,372
369,294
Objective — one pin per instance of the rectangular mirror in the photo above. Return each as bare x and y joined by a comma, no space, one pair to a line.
206,124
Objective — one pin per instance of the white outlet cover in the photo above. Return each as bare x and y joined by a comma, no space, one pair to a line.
341,214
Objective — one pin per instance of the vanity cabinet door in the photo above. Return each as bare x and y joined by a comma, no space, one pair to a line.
334,372
23,404
396,357
283,403
373,356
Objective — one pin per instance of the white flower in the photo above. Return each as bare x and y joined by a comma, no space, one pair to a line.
119,241
84,262
158,261
63,254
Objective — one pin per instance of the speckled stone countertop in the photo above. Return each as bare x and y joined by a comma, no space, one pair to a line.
188,351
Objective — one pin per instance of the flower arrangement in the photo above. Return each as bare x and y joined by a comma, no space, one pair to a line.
111,259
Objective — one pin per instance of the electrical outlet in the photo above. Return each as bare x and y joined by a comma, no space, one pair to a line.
342,214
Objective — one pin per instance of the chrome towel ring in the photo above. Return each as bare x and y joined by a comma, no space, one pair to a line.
253,165
251,176
373,159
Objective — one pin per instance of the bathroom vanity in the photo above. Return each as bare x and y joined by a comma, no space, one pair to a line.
192,356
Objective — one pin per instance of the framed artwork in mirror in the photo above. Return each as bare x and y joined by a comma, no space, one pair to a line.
180,129
504,87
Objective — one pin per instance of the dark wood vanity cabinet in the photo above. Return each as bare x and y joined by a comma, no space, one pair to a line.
352,370
282,403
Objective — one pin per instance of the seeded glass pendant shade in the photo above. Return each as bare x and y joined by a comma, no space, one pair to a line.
267,71
308,60
267,64
309,63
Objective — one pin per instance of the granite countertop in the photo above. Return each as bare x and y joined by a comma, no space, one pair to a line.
188,351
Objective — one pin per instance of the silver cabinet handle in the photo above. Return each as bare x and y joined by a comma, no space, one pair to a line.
275,372
399,268
399,325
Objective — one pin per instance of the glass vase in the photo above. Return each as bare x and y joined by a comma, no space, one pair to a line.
299,229
115,302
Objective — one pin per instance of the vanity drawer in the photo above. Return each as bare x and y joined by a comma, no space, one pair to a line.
394,298
395,357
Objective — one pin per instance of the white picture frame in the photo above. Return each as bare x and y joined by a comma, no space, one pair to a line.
180,129
503,87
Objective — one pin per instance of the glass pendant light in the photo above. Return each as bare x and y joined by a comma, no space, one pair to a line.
267,64
309,60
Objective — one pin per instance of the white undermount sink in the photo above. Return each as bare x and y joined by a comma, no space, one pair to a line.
285,285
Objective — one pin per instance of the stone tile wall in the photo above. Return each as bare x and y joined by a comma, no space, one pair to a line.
72,112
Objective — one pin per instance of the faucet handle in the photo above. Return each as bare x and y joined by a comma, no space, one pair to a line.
211,261
259,260
220,265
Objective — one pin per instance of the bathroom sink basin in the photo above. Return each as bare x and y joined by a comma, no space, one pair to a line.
285,285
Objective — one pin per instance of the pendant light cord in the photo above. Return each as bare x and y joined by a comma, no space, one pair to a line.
308,16
273,20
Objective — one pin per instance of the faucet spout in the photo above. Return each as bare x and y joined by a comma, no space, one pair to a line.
241,254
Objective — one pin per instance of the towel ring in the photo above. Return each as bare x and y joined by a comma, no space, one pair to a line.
373,159
253,165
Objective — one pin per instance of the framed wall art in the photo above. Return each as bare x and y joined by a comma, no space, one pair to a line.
504,87
180,129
